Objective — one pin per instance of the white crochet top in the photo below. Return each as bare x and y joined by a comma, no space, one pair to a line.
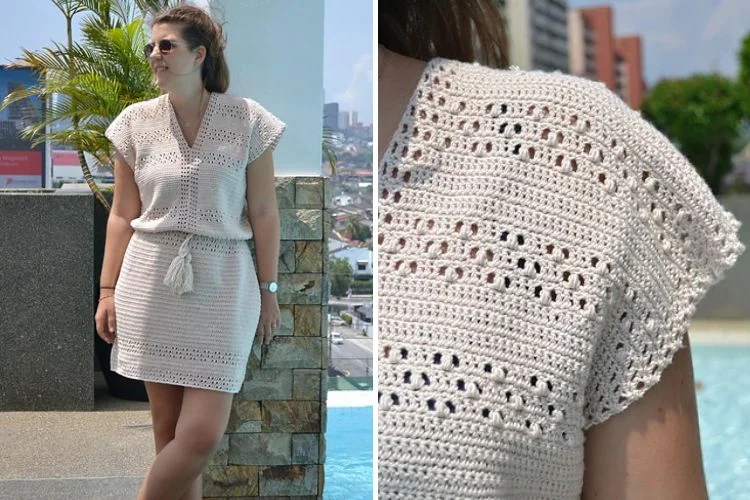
199,189
542,249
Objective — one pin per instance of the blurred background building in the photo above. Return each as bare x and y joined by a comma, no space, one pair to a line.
546,35
595,52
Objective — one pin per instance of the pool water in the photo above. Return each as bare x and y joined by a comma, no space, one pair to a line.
348,468
724,415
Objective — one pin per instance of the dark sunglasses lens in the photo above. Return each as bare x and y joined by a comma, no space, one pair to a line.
165,46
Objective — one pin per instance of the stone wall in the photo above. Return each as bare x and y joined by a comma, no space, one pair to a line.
274,446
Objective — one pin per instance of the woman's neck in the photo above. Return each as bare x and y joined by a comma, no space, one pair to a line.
398,77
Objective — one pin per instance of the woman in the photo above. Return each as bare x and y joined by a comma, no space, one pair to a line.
195,181
541,251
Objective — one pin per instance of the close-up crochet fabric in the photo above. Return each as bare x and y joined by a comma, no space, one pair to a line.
541,251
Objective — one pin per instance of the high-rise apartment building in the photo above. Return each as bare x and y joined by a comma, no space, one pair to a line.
355,118
331,116
596,53
538,33
343,120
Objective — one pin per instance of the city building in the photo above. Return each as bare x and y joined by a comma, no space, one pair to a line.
538,34
360,259
355,119
343,120
331,116
596,53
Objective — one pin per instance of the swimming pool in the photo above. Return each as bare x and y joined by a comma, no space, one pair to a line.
724,416
348,469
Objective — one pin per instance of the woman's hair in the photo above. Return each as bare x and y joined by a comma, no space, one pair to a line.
465,30
199,29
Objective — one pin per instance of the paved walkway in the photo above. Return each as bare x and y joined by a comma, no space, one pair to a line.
98,455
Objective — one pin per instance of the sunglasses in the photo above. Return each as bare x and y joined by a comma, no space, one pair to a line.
165,47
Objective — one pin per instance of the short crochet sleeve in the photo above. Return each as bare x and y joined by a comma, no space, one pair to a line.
677,242
265,130
120,133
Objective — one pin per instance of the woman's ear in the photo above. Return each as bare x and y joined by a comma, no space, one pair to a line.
200,55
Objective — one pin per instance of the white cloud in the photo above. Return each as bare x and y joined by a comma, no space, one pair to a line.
361,83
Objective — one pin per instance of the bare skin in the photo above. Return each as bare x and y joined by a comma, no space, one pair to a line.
651,450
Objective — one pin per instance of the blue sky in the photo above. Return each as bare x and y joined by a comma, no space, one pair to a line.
682,37
347,75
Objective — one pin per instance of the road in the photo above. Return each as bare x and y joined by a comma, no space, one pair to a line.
353,357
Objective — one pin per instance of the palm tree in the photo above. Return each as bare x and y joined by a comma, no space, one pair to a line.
330,141
93,80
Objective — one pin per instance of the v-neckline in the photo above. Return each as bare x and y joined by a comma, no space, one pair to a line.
179,131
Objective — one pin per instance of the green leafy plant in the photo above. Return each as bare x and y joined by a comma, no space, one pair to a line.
702,116
340,275
347,318
91,80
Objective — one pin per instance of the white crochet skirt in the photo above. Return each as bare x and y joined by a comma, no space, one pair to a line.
201,338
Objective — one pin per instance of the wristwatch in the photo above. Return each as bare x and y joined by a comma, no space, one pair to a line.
271,286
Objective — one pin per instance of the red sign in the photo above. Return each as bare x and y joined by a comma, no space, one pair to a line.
21,163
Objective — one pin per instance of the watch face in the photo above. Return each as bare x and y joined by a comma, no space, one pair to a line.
272,287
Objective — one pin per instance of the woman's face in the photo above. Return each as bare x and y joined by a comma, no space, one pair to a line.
173,63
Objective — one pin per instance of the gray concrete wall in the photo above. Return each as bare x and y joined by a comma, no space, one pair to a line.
730,298
46,301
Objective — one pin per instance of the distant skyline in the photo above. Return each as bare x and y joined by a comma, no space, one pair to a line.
347,67
681,37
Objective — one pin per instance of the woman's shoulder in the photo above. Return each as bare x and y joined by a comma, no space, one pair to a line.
237,105
145,109
551,88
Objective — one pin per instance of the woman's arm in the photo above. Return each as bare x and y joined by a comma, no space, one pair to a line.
651,450
126,206
263,213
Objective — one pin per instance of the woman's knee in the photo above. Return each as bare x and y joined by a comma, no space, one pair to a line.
203,420
202,438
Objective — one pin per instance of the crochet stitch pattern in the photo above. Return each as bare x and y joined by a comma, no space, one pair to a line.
541,251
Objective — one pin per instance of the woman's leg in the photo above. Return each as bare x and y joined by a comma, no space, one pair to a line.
177,468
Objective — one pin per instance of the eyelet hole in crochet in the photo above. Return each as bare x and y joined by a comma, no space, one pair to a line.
388,218
407,377
532,153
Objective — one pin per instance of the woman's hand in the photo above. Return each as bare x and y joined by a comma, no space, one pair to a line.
105,319
270,316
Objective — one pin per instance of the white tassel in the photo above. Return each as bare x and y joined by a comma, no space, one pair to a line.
179,276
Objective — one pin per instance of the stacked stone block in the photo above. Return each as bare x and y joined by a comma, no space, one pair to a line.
274,446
